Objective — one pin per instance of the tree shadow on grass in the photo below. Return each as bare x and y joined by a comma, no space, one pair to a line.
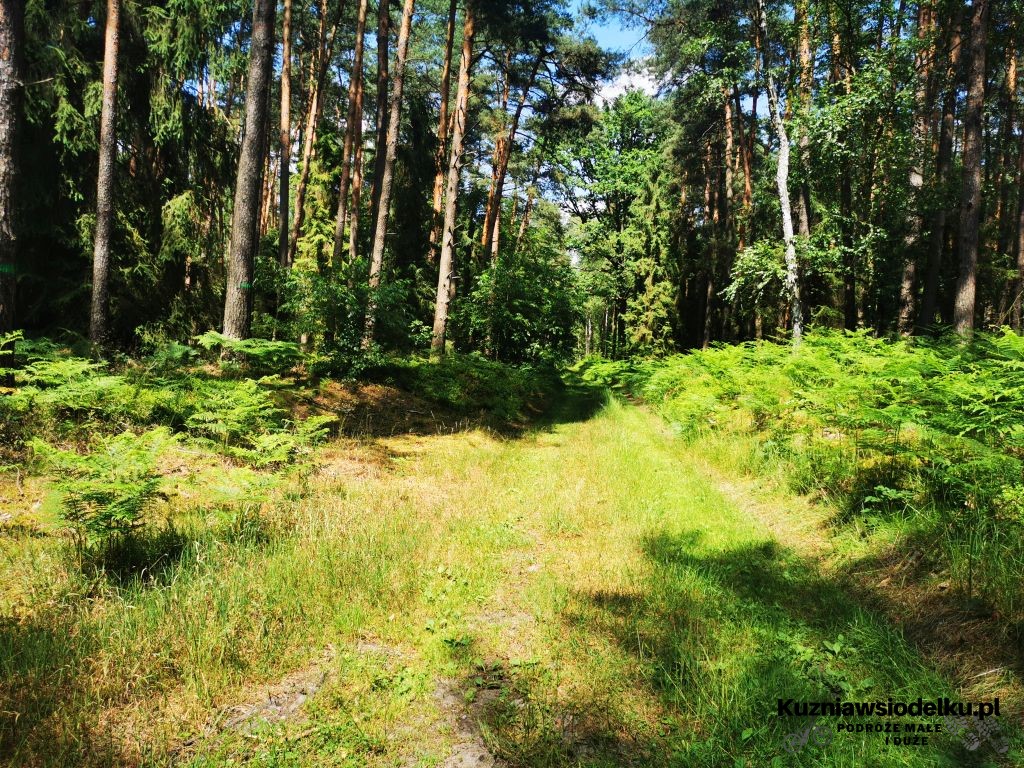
52,691
42,667
719,636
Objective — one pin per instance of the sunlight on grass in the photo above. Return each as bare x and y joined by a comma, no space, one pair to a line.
582,595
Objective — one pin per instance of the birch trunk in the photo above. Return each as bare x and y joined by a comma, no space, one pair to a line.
782,182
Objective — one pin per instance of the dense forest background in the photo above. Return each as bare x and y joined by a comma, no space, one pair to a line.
386,175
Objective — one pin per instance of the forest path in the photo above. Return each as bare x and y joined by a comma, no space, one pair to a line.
598,593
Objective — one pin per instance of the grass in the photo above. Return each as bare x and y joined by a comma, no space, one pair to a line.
588,593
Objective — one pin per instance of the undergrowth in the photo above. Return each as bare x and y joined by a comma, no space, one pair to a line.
926,435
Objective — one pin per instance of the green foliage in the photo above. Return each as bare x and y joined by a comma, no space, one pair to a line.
471,384
106,492
924,431
525,305
258,355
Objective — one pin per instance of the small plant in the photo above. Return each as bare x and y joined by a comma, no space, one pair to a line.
259,355
104,494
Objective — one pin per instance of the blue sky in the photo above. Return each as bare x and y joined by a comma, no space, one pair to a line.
612,34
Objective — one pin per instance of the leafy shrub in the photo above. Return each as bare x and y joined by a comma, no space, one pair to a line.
105,493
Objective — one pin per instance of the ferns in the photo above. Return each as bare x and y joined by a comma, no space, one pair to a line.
925,428
105,492
132,414
259,355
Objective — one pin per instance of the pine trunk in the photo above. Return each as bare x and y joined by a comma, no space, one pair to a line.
919,139
383,82
944,165
325,51
442,133
99,312
285,136
445,261
970,206
502,154
249,179
353,132
806,83
380,227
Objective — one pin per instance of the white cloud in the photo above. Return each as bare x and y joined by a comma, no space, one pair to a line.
639,80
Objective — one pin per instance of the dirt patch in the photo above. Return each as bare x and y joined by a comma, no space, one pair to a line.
375,410
275,703
470,749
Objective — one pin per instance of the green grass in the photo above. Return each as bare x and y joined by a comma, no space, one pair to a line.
919,436
587,594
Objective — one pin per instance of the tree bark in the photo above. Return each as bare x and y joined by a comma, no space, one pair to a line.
944,165
383,83
745,150
325,51
1018,299
970,205
442,133
12,37
353,132
285,135
919,138
806,83
502,154
249,179
99,319
444,280
394,123
782,182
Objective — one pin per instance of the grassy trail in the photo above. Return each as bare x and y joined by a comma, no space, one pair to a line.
591,594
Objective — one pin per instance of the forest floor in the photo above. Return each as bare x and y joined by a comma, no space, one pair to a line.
591,592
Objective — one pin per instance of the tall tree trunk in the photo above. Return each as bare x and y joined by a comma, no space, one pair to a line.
353,132
531,194
249,180
745,150
12,37
285,135
383,83
1018,297
357,195
380,228
806,83
502,154
99,319
325,52
442,132
792,280
943,167
499,144
445,265
970,206
919,138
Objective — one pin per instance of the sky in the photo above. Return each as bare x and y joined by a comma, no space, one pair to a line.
612,34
